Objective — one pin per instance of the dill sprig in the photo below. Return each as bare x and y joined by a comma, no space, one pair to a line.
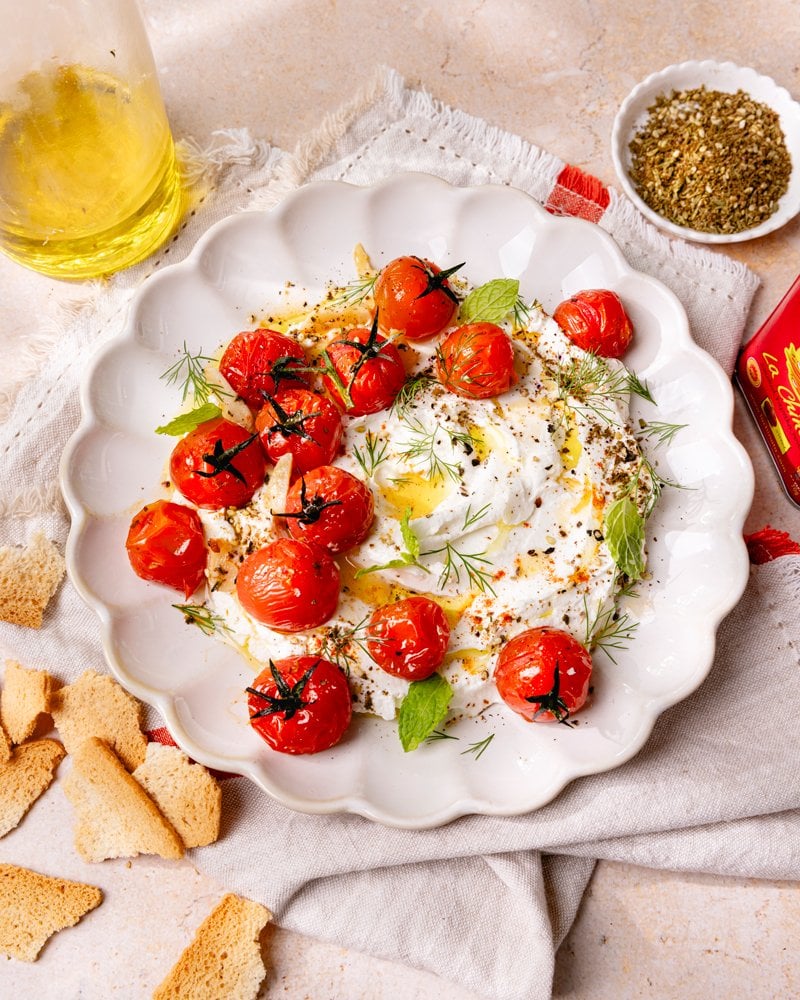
608,629
354,291
373,454
439,734
663,432
423,444
410,389
471,563
189,373
479,748
587,384
202,617
471,519
339,640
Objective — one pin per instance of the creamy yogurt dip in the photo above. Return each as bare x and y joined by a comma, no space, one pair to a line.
504,498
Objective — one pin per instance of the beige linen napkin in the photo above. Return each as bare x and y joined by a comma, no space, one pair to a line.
483,902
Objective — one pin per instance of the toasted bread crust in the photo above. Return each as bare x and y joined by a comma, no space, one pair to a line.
33,907
29,577
115,818
27,773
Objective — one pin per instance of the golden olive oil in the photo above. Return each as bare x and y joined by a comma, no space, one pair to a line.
88,178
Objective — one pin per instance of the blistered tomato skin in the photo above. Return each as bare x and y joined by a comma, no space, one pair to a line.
262,359
368,371
218,464
595,320
525,674
300,705
330,507
165,544
289,585
476,361
413,298
303,424
409,637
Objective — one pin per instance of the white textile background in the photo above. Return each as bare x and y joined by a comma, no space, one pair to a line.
715,789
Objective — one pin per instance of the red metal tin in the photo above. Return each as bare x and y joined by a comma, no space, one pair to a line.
768,374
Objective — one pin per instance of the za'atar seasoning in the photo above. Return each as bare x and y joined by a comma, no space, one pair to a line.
711,161
768,373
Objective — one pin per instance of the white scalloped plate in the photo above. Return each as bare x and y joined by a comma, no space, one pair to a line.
726,77
114,463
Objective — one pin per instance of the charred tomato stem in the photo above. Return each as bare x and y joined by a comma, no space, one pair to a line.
290,697
221,459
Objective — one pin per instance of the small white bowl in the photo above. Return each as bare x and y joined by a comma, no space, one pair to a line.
728,78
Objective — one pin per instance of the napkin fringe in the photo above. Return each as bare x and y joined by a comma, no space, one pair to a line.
621,215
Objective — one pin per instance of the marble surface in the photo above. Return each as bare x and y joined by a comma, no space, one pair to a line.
555,74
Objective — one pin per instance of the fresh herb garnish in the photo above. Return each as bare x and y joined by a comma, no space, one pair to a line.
491,302
339,639
202,617
470,562
439,734
289,699
373,454
552,702
624,534
608,629
186,422
189,372
422,710
355,291
409,391
663,432
479,748
423,444
587,384
410,557
470,519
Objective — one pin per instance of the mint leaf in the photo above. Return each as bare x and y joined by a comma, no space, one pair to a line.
422,709
624,531
490,303
410,540
186,422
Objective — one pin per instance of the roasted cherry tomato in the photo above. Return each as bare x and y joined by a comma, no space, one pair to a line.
165,544
301,423
218,464
596,321
365,371
330,507
289,585
413,297
476,361
262,359
301,704
543,674
409,638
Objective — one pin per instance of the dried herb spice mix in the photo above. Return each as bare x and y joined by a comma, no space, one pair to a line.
711,161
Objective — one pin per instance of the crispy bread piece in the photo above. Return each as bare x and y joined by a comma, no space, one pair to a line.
95,705
25,699
23,778
28,579
224,960
5,746
116,818
185,792
33,907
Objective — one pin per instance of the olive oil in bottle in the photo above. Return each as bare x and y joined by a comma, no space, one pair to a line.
88,177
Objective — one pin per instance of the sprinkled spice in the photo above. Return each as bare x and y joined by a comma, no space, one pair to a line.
711,161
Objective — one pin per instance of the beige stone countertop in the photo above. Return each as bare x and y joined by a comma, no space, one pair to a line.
554,73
